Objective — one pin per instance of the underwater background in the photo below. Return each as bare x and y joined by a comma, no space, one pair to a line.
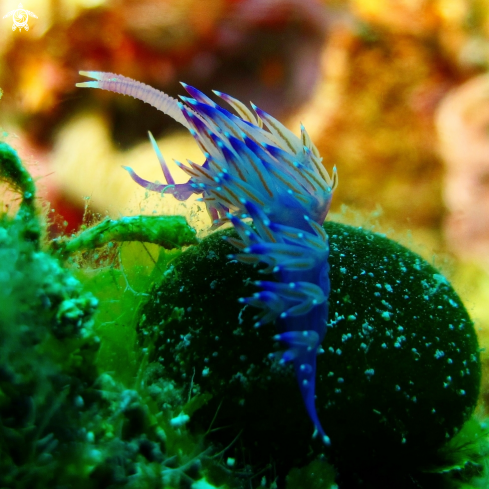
126,358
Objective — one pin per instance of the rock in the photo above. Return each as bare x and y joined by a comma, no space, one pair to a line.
399,376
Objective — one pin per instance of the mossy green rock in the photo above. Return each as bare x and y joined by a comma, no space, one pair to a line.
65,422
399,376
47,363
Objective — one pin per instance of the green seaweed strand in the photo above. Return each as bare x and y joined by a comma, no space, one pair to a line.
167,231
19,179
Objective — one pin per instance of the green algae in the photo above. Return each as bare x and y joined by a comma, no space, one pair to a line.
142,240
464,459
316,475
166,231
65,421
47,351
19,179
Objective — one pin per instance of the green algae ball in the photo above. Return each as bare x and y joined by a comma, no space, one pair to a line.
399,375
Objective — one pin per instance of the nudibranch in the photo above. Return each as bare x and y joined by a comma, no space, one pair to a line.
255,168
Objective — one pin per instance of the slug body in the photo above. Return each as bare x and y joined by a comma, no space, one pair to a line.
277,180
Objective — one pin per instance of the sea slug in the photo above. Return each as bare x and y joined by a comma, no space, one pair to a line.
276,179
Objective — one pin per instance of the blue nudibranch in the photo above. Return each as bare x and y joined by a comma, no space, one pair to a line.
277,180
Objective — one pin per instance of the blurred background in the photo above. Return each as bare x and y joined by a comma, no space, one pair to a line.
395,93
